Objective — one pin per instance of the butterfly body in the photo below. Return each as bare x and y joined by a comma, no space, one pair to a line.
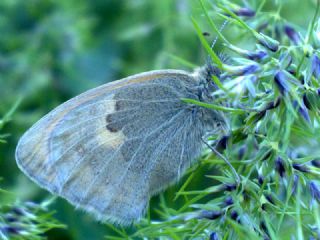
111,148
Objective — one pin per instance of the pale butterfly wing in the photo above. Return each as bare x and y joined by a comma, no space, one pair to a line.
109,149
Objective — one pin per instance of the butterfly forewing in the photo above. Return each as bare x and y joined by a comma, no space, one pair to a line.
109,149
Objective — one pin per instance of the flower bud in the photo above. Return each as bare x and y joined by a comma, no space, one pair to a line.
269,198
257,55
228,201
263,226
302,79
302,110
306,101
264,207
260,179
315,65
281,81
245,12
242,152
267,154
280,166
292,34
210,214
316,163
222,143
272,105
259,116
10,218
18,211
11,230
314,191
228,187
300,167
252,55
214,236
292,70
235,216
268,42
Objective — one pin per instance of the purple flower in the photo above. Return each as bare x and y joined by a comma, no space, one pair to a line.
315,65
292,34
245,12
281,80
280,166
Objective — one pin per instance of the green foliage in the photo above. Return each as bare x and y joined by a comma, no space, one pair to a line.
268,87
26,221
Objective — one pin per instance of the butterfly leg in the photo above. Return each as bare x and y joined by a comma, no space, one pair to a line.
213,149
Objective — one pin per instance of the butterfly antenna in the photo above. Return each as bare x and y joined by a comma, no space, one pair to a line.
224,24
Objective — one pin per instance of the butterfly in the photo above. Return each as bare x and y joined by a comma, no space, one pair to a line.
108,150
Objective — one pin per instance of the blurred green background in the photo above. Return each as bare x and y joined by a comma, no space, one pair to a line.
52,50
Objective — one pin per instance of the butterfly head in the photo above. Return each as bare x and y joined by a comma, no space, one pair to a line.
213,119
